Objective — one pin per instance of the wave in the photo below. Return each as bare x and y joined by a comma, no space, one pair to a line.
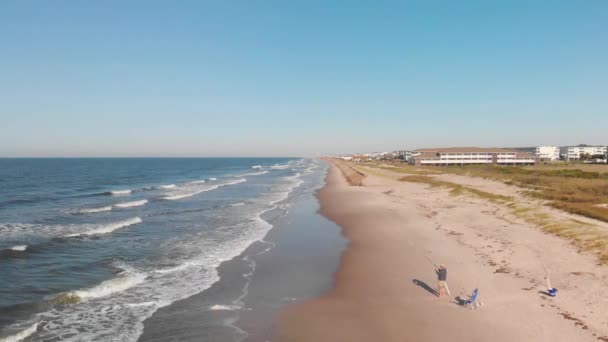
212,179
105,229
256,167
22,335
190,194
19,248
13,252
168,186
178,268
197,182
131,204
240,180
218,307
279,167
119,192
95,210
122,282
237,204
254,173
186,195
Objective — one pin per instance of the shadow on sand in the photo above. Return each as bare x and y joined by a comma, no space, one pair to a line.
426,287
460,301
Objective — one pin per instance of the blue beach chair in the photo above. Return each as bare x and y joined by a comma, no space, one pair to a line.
472,302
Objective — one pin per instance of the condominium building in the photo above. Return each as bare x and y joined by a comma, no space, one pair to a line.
575,152
471,155
547,152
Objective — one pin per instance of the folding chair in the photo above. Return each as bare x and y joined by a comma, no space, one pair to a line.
472,302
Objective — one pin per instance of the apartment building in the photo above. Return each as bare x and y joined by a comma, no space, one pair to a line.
470,156
575,152
547,152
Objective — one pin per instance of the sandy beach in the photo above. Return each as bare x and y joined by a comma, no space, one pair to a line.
384,286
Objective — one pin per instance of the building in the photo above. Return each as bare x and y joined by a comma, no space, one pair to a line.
404,155
547,152
470,156
585,152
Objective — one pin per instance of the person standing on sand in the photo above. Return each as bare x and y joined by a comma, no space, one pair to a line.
442,275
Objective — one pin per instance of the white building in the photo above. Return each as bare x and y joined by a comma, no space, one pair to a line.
404,155
471,155
574,152
547,152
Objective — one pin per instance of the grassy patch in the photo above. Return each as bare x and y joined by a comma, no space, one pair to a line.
575,188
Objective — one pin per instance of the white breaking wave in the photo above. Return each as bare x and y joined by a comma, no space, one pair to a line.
19,248
186,195
279,167
238,204
122,282
240,180
212,179
120,192
198,182
218,307
256,167
105,229
190,194
254,174
22,335
131,204
168,186
183,266
95,210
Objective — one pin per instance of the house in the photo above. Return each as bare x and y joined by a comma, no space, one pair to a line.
470,156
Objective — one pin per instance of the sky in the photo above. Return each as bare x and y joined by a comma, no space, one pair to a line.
298,78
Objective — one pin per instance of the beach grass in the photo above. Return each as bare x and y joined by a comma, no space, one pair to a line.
580,189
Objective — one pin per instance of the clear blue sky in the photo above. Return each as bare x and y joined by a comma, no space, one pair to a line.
209,78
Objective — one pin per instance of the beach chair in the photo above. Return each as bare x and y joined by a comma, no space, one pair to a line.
472,302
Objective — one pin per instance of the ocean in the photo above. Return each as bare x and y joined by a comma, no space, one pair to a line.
92,248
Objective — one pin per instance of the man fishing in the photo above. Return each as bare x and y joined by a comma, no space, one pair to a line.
442,275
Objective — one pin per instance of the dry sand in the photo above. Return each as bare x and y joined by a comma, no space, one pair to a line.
383,287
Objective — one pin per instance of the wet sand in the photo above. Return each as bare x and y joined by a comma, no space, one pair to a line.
384,287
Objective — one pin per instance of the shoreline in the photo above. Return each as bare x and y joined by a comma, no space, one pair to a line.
382,288
270,274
